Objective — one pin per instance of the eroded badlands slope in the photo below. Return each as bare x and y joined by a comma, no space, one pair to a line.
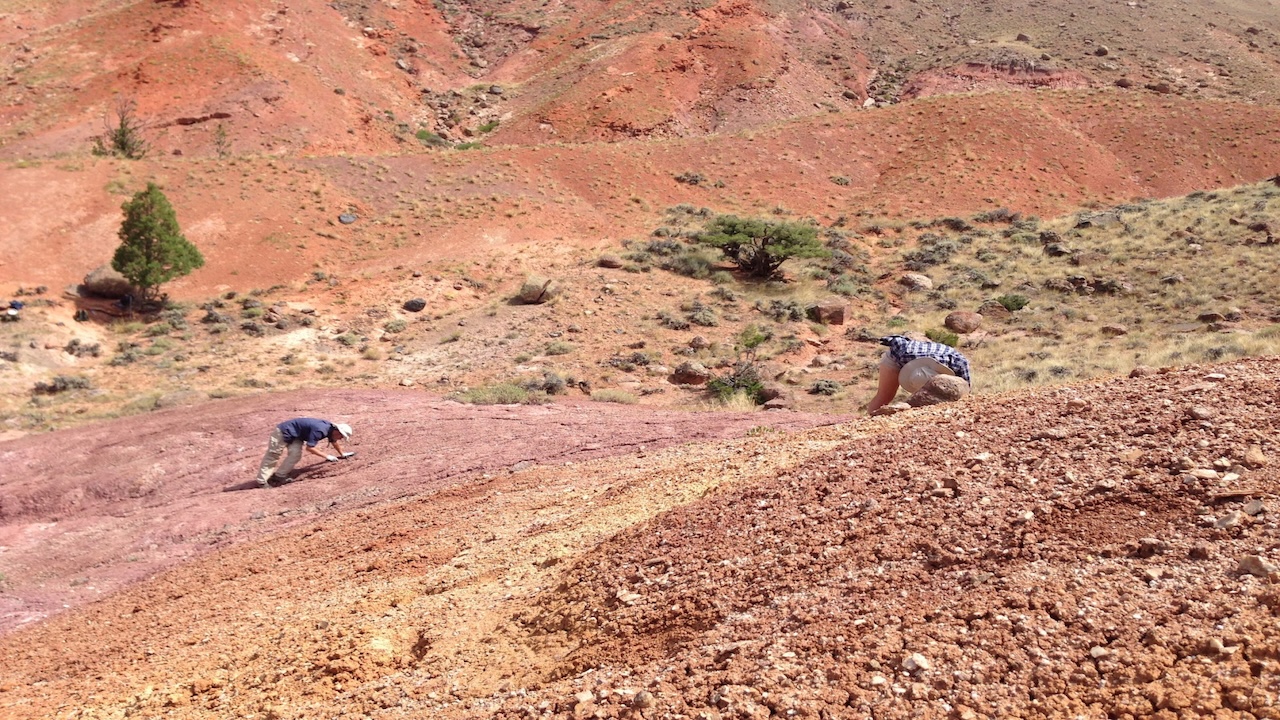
1092,550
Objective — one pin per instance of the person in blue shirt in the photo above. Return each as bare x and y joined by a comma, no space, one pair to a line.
910,363
291,436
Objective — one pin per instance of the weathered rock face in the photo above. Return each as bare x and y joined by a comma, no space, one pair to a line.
106,282
915,281
963,321
537,289
775,391
828,312
690,373
939,389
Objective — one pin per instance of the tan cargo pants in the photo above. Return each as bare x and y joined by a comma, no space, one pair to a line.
275,448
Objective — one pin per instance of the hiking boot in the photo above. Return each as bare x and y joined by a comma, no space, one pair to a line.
278,480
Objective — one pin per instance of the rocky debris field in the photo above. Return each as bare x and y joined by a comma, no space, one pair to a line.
1098,550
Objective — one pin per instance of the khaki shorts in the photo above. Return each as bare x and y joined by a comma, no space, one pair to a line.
913,375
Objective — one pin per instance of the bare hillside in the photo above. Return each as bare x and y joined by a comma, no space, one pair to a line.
1101,550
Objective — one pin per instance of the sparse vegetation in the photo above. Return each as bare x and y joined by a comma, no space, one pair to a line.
501,394
122,135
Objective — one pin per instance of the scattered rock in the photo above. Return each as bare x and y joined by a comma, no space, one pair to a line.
1232,519
1102,51
939,389
1199,412
1254,457
1201,551
699,343
1114,330
415,305
1142,371
1149,546
1125,83
1076,405
609,261
915,281
830,311
778,403
496,90
348,218
406,382
1023,37
537,289
891,409
1257,565
690,373
993,309
106,282
963,321
820,361
915,662
1253,507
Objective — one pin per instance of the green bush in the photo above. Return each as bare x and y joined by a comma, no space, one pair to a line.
395,326
489,126
759,247
1013,302
558,347
744,378
946,337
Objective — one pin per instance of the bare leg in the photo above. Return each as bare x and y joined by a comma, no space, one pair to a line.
888,388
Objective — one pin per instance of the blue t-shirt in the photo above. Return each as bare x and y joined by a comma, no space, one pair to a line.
308,430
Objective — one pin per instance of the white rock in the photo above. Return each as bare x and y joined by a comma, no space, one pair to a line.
916,662
1257,565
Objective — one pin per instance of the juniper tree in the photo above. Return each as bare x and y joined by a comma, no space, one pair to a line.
761,246
152,248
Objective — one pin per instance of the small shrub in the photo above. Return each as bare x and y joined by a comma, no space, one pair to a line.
824,387
1013,302
781,310
689,262
840,180
489,126
721,277
613,396
395,326
558,347
371,353
522,358
671,321
703,315
744,378
690,178
60,384
452,337
501,394
946,337
349,339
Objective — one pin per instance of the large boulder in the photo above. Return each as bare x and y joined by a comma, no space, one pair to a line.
106,282
994,309
939,389
915,281
690,373
537,289
963,321
415,305
828,312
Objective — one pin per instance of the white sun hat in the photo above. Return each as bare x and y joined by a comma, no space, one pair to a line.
916,373
344,431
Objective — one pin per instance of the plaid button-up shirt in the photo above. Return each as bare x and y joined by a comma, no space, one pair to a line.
903,350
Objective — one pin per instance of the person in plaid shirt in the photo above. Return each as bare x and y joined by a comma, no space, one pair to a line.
910,363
